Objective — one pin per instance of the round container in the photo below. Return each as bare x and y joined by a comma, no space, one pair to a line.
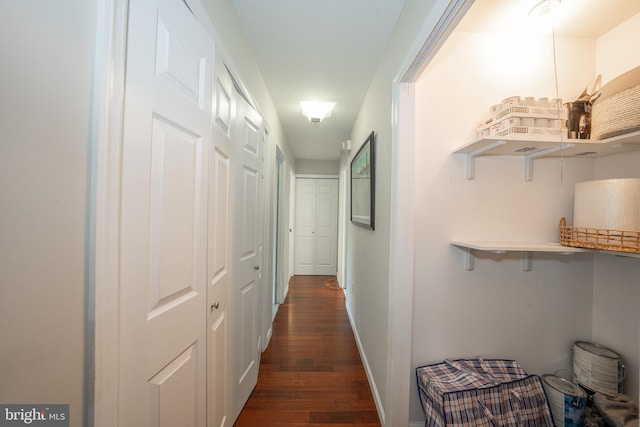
597,368
610,204
555,124
511,101
513,121
567,400
543,102
541,123
527,121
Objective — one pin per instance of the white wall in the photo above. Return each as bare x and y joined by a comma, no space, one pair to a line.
46,73
614,52
367,254
318,167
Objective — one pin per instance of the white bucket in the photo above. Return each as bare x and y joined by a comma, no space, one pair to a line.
597,368
567,400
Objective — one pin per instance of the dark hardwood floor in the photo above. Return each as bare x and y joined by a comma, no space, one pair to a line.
311,373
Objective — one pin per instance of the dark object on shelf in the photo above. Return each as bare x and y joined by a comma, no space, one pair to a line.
579,121
617,109
579,111
473,392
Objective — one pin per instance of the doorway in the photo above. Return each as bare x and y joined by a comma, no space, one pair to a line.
316,226
280,232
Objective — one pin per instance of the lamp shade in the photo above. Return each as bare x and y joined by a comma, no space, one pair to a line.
316,111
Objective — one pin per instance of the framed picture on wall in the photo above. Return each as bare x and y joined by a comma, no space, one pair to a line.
363,173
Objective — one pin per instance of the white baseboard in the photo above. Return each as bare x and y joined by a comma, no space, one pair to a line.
367,368
268,338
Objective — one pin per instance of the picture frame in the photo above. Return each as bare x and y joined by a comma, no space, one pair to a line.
363,174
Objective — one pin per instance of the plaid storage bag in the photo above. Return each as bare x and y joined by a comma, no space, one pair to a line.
479,392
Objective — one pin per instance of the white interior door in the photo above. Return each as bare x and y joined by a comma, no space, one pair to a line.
164,217
218,357
316,226
326,227
247,256
305,252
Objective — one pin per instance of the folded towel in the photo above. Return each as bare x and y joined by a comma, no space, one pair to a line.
619,411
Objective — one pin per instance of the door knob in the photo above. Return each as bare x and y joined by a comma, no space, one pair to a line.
215,305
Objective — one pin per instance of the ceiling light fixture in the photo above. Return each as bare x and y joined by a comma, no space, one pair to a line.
543,10
316,111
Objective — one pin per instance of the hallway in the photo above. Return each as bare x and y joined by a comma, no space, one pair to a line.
311,373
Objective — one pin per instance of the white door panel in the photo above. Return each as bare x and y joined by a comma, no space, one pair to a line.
305,226
176,379
324,252
220,223
219,216
249,200
316,231
247,331
176,203
163,257
217,360
246,249
327,226
305,253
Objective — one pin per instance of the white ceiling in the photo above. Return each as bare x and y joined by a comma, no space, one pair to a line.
328,50
318,50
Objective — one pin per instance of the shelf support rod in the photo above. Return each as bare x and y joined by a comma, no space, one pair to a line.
469,259
527,263
528,160
471,157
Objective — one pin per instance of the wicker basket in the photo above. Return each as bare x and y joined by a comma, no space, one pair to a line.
599,238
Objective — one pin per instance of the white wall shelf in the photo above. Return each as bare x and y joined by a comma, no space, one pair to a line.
530,147
527,249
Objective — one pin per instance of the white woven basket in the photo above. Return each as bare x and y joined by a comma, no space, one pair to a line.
617,109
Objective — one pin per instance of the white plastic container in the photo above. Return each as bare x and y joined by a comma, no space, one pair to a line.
567,400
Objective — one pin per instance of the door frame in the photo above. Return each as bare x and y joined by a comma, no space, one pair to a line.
292,228
344,192
280,206
267,169
101,391
294,204
402,214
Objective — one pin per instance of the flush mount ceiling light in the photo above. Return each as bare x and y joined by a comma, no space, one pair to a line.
316,111
544,9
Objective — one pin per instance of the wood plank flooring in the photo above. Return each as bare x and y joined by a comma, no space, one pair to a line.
311,373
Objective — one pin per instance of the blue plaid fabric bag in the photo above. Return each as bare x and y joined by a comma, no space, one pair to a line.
479,392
